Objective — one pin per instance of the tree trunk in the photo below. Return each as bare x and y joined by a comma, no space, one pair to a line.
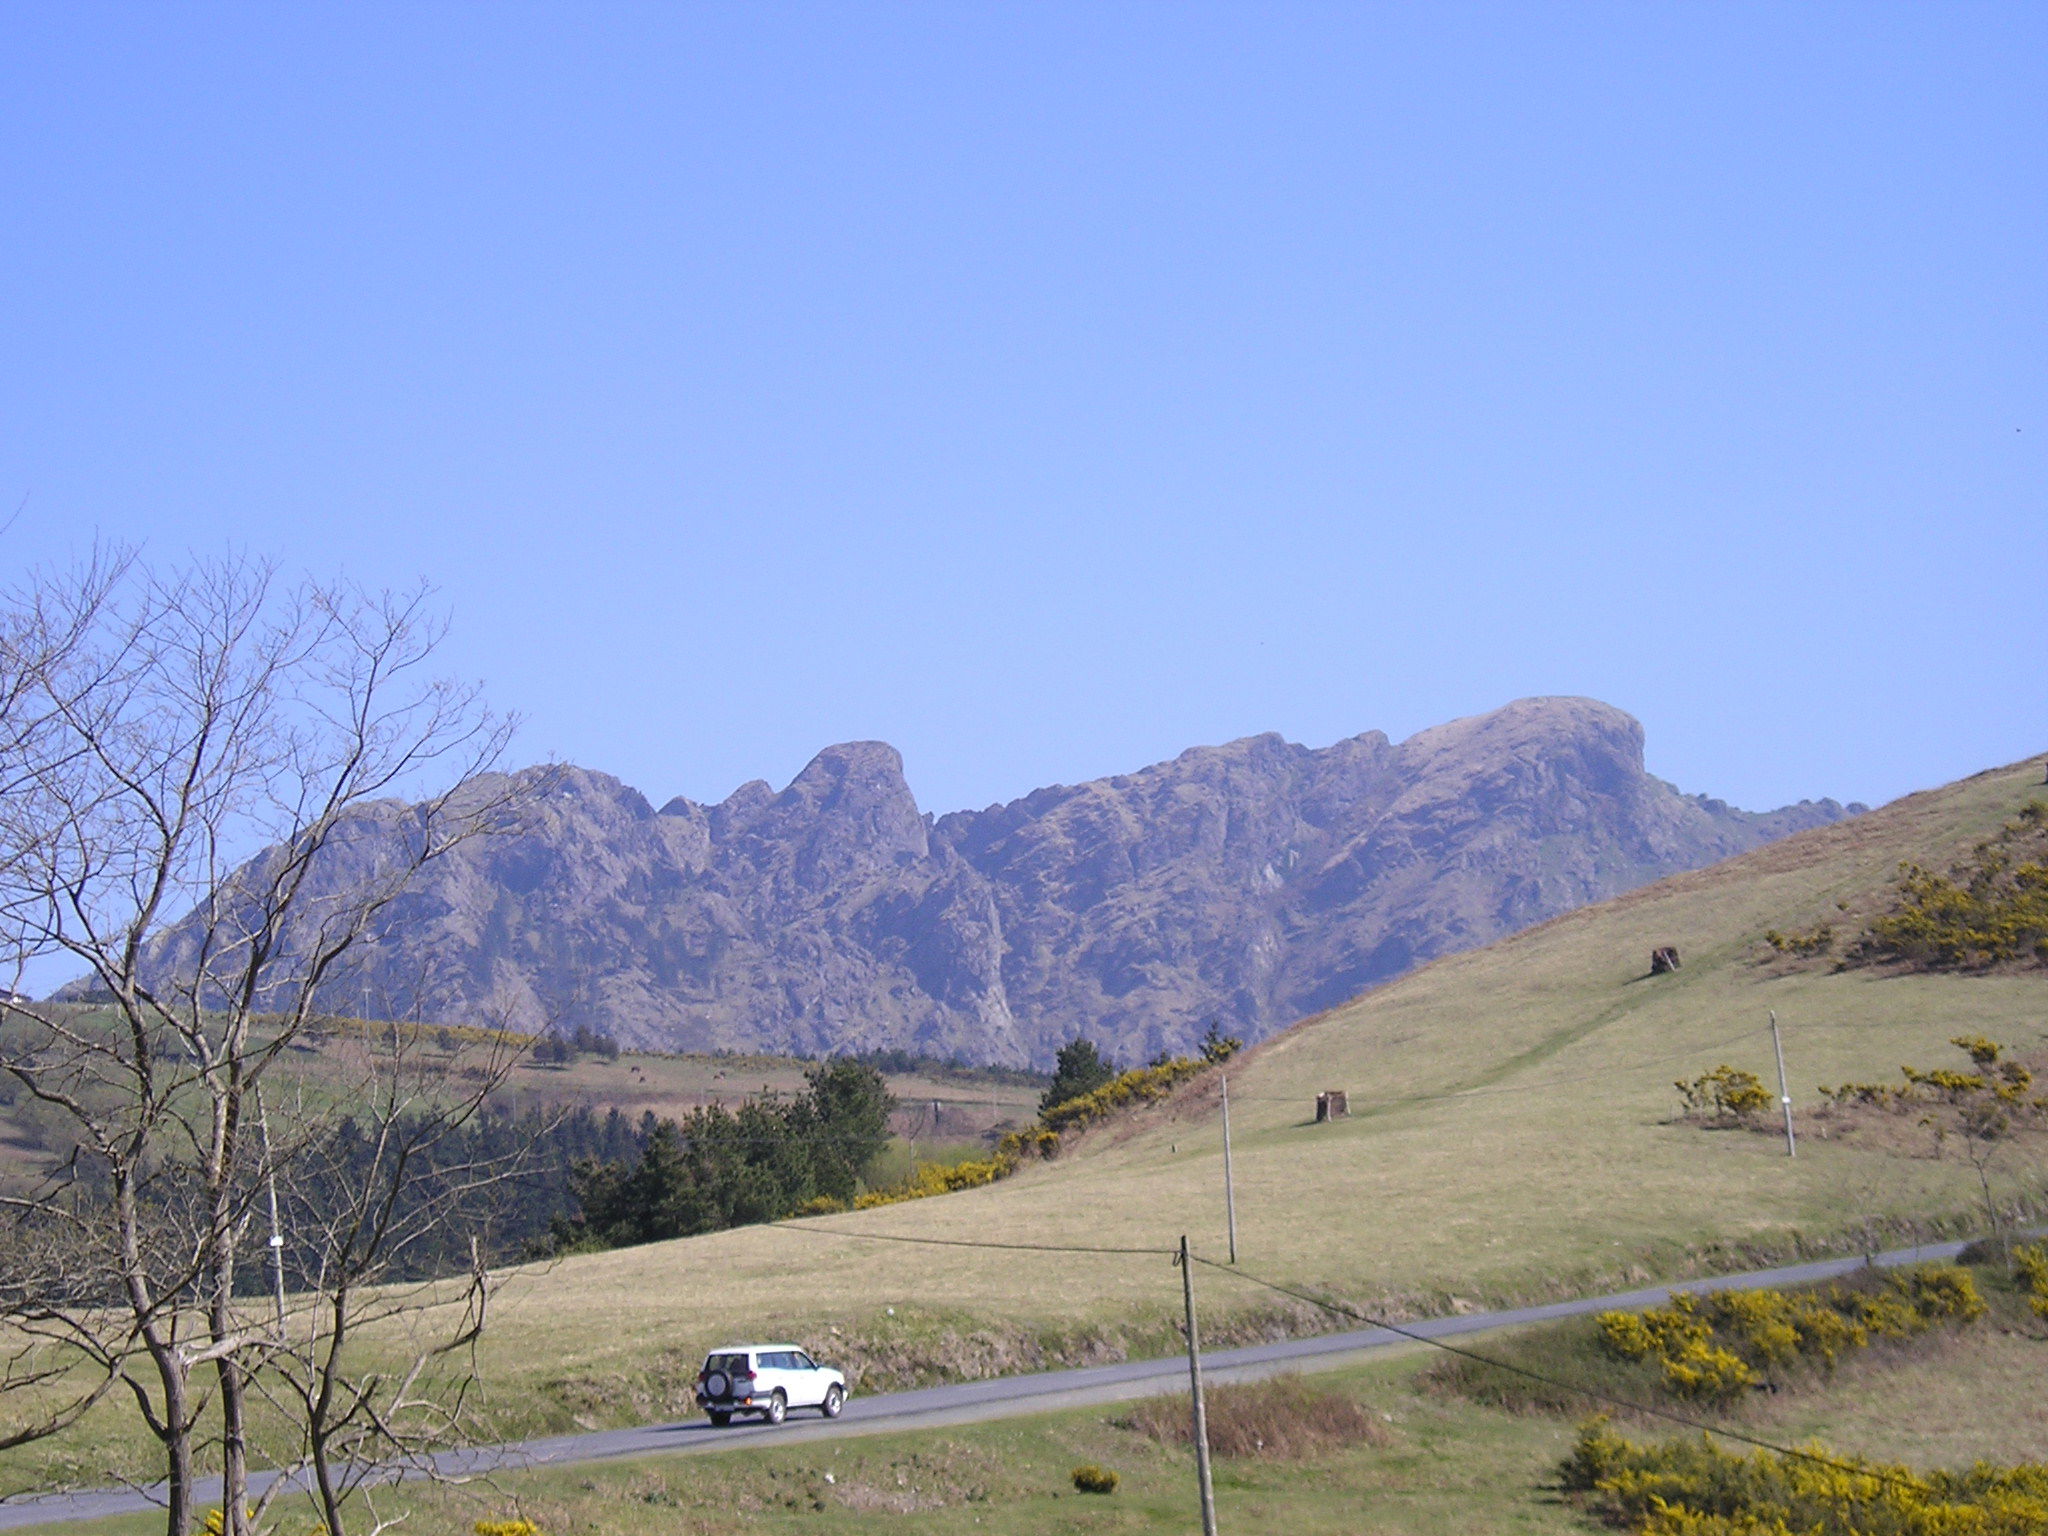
234,1447
176,1437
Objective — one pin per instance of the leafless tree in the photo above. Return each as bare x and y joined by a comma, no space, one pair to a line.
372,1360
201,812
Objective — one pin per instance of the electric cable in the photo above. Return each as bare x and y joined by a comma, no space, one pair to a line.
1343,1309
961,1242
1594,1393
1549,1082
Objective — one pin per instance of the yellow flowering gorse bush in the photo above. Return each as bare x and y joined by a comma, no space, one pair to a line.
1127,1090
1694,1488
1713,1347
2031,1261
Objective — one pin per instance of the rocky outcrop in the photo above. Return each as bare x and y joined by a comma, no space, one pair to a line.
1247,884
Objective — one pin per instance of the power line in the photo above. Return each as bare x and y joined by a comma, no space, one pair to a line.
1550,1082
1344,1310
1595,1393
959,1242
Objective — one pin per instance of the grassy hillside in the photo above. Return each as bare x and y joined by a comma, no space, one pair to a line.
1511,1137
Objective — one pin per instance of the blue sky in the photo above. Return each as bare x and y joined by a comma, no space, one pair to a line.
1046,388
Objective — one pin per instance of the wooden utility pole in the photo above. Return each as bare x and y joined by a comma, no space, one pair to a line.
1784,1094
276,1231
1201,1425
1229,1182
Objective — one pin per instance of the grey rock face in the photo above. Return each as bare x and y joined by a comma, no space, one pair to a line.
1247,884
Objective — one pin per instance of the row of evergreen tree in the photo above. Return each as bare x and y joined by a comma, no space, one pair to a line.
718,1168
547,1181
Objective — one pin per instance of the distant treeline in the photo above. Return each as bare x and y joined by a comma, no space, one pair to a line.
505,1179
719,1168
549,1181
560,1050
902,1063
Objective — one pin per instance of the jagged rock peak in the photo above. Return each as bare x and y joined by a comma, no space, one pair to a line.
1244,884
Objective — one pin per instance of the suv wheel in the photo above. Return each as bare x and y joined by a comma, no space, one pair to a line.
778,1406
720,1418
834,1401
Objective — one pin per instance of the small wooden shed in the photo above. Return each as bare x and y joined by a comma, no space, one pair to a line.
1333,1105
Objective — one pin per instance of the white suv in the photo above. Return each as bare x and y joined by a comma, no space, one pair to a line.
768,1379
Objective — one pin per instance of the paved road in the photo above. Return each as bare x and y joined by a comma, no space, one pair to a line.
931,1407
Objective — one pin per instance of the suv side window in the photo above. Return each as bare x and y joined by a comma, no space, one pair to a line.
799,1361
775,1360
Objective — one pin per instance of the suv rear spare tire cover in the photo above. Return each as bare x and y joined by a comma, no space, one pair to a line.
717,1384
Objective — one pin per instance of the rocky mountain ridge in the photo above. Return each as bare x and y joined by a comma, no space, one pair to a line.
1248,884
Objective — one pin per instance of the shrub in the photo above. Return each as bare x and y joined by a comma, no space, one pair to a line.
1714,1347
514,1527
1094,1479
2030,1262
1033,1141
1812,941
1280,1419
1991,908
1728,1093
1694,1488
1140,1085
1940,1293
939,1179
1124,1090
1871,1095
1985,1098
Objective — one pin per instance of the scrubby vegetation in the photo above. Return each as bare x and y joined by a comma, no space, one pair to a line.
1057,1117
1089,1478
1711,1351
1993,1079
2030,1264
1284,1418
1989,1116
1695,1488
1140,1085
1725,1096
942,1179
1716,1347
1804,942
1988,910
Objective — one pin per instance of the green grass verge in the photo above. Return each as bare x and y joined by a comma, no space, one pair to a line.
1448,1465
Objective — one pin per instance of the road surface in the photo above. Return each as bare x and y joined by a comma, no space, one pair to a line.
932,1407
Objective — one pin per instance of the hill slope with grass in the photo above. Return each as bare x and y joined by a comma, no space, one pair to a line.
1514,1134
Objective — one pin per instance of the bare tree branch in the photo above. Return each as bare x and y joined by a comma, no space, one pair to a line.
198,773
